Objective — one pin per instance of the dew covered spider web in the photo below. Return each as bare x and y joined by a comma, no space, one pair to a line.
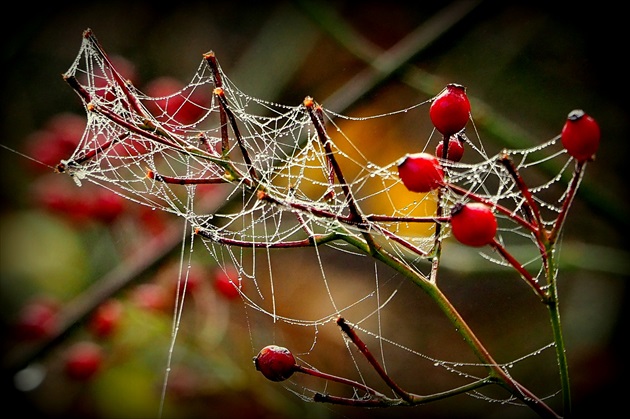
260,188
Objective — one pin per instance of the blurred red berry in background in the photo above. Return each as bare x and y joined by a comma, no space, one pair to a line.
83,360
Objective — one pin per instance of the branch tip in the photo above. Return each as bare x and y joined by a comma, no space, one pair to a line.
341,322
309,102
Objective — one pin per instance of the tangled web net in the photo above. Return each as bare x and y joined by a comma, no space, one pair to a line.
258,177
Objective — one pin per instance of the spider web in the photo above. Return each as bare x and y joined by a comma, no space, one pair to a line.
258,184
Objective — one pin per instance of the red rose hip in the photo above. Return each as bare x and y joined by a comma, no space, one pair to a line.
455,150
580,135
420,172
174,100
275,363
226,282
450,109
106,318
38,319
83,360
473,224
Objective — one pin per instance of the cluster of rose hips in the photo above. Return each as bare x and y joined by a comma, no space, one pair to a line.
40,318
59,138
474,223
174,101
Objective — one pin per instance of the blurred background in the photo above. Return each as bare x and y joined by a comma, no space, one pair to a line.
526,66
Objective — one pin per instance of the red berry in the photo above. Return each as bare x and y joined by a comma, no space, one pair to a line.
107,206
83,360
580,135
275,363
105,85
37,319
56,141
420,172
450,109
150,221
91,203
226,282
189,283
473,224
152,297
59,196
455,149
106,318
176,101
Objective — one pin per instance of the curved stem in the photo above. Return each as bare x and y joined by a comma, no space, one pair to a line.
481,352
551,271
578,173
556,327
531,281
530,205
406,396
337,379
220,94
312,109
495,370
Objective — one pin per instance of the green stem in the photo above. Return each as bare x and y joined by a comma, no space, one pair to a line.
495,370
556,326
553,306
